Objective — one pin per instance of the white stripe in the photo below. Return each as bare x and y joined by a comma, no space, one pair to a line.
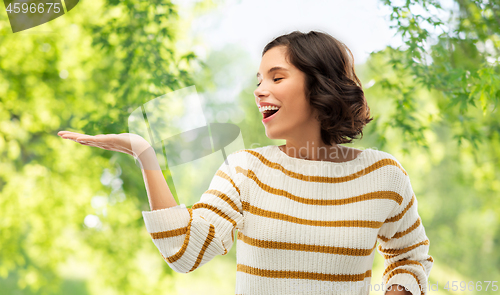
284,231
292,260
255,285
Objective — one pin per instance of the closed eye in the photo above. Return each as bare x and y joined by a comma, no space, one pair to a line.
273,79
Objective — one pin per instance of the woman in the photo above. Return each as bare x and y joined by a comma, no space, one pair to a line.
309,213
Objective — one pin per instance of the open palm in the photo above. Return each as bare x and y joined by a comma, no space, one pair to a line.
128,143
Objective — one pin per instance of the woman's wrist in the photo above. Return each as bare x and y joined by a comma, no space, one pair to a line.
148,160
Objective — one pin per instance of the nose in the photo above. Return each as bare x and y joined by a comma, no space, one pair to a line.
260,93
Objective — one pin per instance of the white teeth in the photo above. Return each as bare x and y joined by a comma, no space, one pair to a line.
266,108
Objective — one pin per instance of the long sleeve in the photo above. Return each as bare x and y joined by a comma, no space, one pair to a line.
187,238
404,244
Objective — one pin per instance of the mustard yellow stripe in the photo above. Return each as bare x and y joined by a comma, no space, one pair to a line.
400,215
210,236
405,261
409,230
181,251
225,176
371,168
232,234
302,274
214,209
223,197
382,238
398,271
390,195
337,223
403,233
225,250
304,247
170,233
392,252
164,258
430,259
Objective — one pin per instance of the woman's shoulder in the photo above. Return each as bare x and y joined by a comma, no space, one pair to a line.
381,154
387,158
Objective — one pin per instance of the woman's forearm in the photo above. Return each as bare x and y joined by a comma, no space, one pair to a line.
159,194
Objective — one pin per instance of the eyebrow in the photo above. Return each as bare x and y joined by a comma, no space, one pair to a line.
273,69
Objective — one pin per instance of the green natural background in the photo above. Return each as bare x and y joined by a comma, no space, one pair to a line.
435,102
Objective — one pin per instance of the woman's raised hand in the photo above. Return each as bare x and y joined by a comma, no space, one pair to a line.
128,143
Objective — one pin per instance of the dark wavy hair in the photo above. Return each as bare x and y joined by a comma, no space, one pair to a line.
332,87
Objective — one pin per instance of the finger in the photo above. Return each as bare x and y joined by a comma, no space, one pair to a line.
95,144
107,147
71,135
87,141
91,138
73,138
100,143
103,138
67,132
64,132
91,141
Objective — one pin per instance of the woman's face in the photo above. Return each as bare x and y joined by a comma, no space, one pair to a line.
284,87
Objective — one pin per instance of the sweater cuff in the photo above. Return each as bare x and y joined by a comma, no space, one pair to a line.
406,280
166,219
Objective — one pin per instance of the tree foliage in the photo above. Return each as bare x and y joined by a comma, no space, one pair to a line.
436,98
63,204
460,62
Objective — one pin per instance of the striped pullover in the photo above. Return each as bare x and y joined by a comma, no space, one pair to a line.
303,226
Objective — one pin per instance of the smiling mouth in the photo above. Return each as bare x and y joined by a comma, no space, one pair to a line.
269,113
